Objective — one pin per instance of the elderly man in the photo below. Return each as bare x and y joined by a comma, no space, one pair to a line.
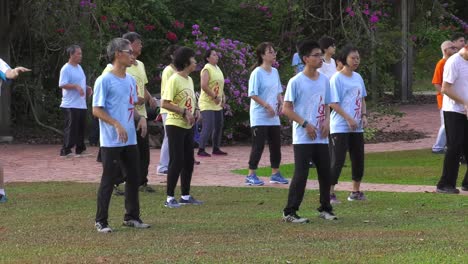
448,49
73,84
455,108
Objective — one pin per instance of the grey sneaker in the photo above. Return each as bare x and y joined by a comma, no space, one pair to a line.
357,196
117,191
328,215
294,218
172,203
333,199
137,223
191,200
448,190
103,227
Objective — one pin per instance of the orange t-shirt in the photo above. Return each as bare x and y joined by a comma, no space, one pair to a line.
438,79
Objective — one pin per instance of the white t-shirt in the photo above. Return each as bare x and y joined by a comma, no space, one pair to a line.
328,68
456,73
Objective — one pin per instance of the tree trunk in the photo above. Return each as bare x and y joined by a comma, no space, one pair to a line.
5,96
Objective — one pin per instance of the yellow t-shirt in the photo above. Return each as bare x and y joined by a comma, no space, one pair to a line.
138,72
216,84
167,72
179,91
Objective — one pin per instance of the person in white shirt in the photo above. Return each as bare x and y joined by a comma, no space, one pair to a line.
455,107
328,46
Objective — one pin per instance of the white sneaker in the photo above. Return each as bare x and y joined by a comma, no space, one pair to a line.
83,154
294,218
328,216
103,228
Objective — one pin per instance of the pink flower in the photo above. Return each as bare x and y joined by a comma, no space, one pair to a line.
131,26
178,25
171,36
366,12
348,9
103,18
149,27
351,13
60,30
374,19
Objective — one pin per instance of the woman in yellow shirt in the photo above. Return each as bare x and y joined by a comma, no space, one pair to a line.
211,104
179,100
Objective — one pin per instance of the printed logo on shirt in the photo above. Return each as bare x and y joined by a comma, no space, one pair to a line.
130,107
320,113
357,103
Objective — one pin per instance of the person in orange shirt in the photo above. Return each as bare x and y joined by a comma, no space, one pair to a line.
448,49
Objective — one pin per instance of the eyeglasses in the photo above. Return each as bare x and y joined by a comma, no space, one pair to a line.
129,52
318,55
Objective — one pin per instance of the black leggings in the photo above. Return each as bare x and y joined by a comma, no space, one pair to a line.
181,159
259,135
340,143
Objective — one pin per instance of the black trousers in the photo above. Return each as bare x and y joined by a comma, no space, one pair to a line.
340,143
259,135
456,129
74,129
212,127
144,151
181,159
303,154
127,158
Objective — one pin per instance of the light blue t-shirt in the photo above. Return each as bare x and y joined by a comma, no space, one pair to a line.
309,98
297,62
267,86
349,93
117,97
70,74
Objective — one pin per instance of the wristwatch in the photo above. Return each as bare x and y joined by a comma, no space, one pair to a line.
304,124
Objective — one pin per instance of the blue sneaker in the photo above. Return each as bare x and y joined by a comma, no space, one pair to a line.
278,178
3,198
172,203
253,180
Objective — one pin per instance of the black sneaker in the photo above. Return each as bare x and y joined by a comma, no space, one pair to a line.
136,223
117,191
294,218
103,227
448,190
66,153
191,201
146,188
219,152
203,154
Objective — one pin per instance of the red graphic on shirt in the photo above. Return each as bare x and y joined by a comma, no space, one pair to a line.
130,109
320,113
357,109
188,103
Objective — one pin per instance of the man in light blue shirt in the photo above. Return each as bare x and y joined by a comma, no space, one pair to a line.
73,84
306,103
113,103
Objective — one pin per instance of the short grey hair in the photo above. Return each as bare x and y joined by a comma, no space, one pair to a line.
117,44
71,49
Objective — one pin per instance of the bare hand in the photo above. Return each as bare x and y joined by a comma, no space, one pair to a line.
189,118
217,100
311,131
80,90
153,103
121,133
142,126
364,121
325,129
270,110
197,116
89,91
140,101
352,124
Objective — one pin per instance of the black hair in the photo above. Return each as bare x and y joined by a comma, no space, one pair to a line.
457,35
117,44
207,54
261,50
131,36
345,52
326,42
168,55
306,47
71,49
182,58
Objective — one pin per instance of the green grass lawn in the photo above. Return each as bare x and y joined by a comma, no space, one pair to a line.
419,167
53,223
